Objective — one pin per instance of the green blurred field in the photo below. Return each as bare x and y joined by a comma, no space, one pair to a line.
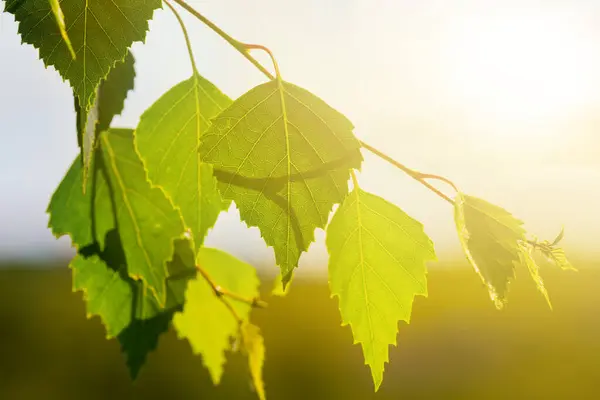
457,346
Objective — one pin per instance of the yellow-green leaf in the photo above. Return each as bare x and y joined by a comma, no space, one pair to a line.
254,347
376,268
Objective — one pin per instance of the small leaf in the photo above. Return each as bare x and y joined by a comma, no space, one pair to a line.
284,178
525,253
168,137
490,238
109,102
376,268
148,222
254,347
60,21
206,322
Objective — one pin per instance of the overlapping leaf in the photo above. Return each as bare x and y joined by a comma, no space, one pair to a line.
490,237
148,223
109,102
95,223
168,137
528,260
100,32
254,347
376,268
206,322
285,171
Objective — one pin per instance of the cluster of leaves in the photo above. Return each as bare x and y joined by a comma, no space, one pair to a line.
138,203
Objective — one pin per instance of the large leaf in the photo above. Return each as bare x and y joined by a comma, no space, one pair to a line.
100,31
491,238
284,170
109,102
206,322
127,308
168,137
376,268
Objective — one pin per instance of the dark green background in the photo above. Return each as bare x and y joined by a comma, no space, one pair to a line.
457,346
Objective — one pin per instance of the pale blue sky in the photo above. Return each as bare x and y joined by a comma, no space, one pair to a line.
503,97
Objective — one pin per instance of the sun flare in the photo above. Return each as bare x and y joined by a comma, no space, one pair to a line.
520,68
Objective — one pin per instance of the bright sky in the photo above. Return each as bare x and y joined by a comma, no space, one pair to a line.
503,97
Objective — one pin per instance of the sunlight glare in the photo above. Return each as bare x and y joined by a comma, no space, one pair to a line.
520,68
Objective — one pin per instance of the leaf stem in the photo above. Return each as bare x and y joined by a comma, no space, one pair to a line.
221,292
186,36
239,46
418,176
244,48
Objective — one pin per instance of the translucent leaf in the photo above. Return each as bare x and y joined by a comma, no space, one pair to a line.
168,137
127,308
100,31
254,347
284,173
527,259
490,238
148,223
206,322
376,268
109,102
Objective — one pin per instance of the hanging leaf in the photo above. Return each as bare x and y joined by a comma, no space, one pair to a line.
284,170
376,268
128,310
525,253
109,102
490,237
206,322
254,347
100,32
168,137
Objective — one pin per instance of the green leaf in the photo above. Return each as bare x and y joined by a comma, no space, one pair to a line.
490,237
168,137
60,22
127,308
148,222
100,32
526,256
124,305
284,178
254,347
109,102
206,322
278,289
376,268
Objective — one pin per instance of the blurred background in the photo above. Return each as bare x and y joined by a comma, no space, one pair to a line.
503,97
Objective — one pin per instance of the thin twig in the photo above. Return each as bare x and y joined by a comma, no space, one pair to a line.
186,36
243,49
222,292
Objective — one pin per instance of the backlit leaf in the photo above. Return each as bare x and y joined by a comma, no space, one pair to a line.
127,308
527,259
109,102
284,178
490,237
148,223
254,347
168,137
206,322
376,268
